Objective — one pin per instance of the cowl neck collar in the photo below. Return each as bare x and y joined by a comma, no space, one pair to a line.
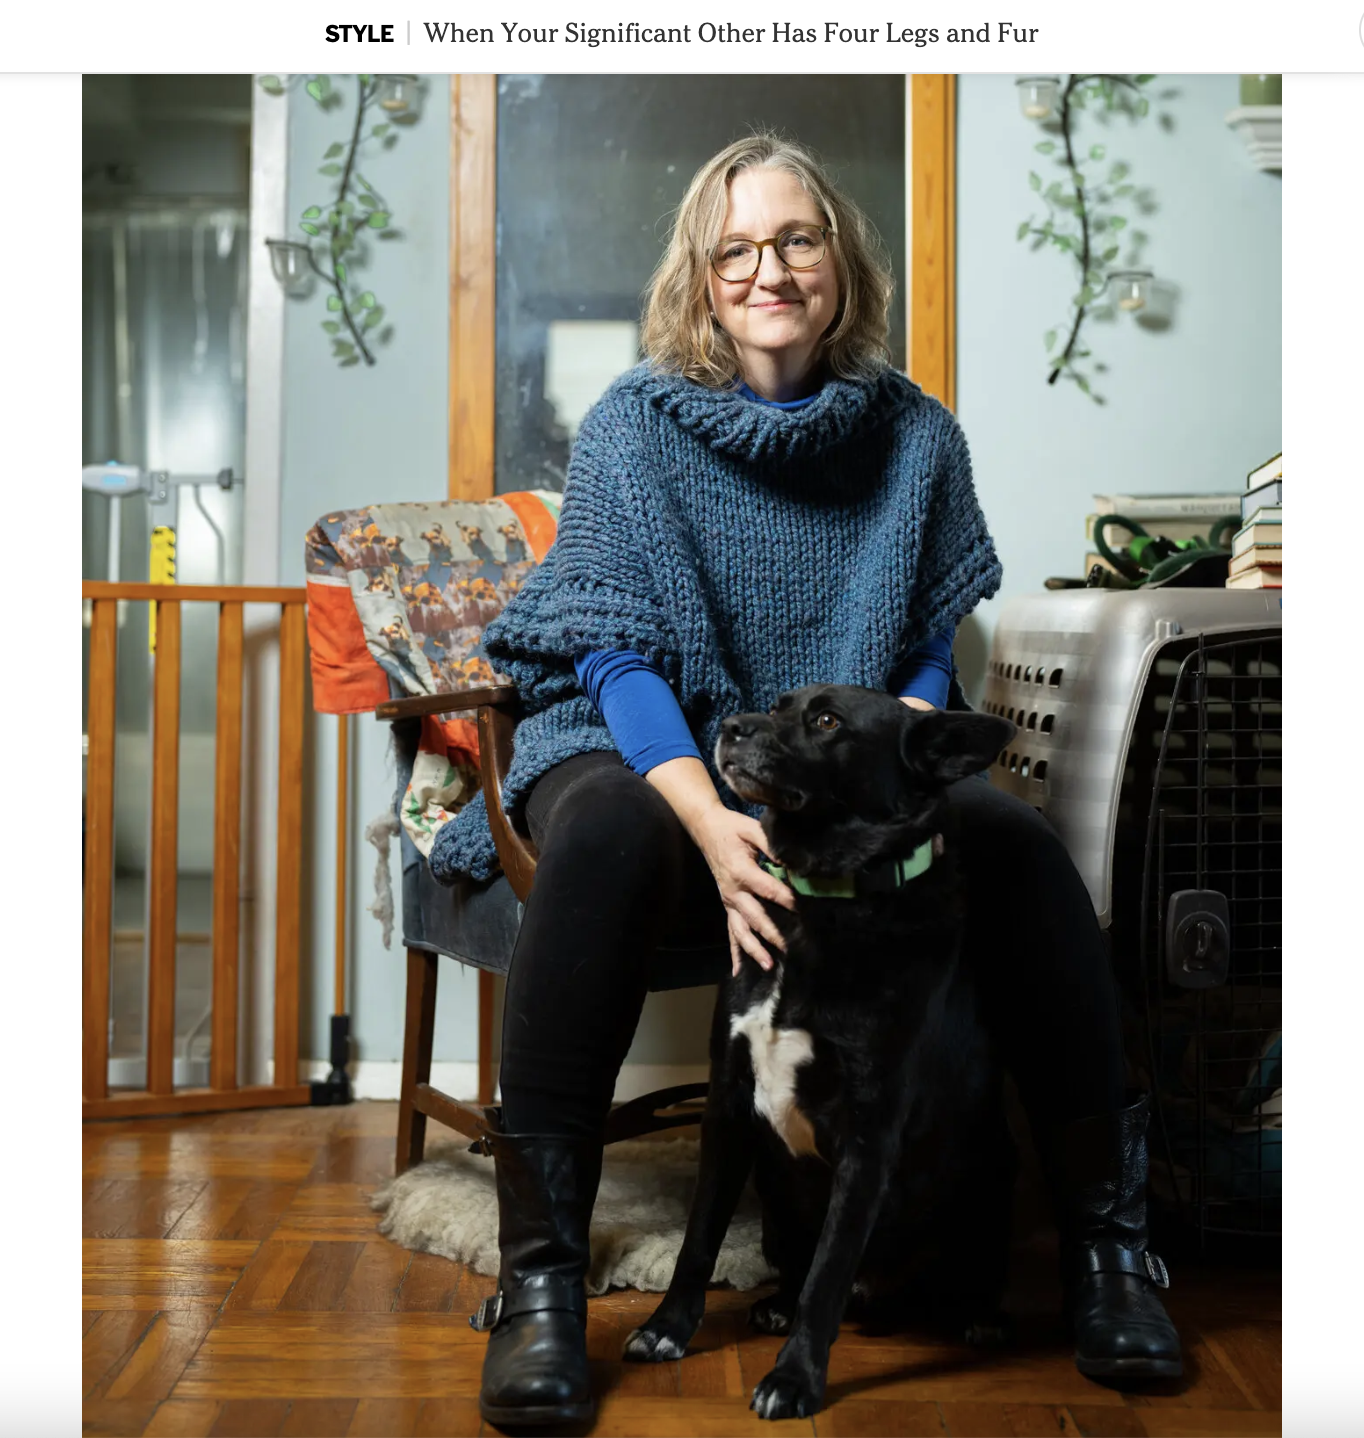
732,424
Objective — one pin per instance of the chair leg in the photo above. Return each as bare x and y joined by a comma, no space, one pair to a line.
419,1035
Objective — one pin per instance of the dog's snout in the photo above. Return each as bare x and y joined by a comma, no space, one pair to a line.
740,726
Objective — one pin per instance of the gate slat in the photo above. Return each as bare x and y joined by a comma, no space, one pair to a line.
99,845
288,839
163,865
227,829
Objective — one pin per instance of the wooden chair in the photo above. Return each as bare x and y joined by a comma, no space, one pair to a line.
397,595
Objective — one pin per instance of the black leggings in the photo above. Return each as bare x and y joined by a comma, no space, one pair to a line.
618,872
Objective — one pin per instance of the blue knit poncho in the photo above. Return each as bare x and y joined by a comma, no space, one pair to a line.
748,550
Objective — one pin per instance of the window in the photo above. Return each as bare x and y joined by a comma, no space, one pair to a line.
589,172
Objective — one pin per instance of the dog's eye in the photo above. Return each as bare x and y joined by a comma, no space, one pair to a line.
826,721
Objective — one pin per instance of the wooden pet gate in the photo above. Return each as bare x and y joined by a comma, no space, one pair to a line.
224,1089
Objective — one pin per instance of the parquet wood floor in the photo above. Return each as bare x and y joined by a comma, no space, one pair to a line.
235,1284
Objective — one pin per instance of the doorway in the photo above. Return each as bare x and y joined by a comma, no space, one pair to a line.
165,181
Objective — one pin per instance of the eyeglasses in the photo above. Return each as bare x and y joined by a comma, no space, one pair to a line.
799,248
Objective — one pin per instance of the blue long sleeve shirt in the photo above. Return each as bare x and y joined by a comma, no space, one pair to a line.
647,723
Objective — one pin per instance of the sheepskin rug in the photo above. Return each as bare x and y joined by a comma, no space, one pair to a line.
448,1205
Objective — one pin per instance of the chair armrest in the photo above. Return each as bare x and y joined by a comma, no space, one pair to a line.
516,853
417,706
496,725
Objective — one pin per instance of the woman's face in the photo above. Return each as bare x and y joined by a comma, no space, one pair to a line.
779,312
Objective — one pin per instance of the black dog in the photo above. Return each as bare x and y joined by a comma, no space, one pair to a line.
854,1077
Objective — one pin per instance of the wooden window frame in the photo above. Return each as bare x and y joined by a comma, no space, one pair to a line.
931,309
931,321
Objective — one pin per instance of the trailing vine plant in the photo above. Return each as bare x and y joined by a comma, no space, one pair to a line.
356,208
1082,209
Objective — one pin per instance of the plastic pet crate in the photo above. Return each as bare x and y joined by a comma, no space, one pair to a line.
1150,734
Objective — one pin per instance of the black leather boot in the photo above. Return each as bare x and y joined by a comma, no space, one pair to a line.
1097,1169
535,1370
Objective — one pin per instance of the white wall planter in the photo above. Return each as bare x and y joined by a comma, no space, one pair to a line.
1261,127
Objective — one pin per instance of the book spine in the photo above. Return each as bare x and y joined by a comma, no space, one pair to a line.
1263,496
1270,548
1256,534
1197,506
1262,473
1265,557
1255,579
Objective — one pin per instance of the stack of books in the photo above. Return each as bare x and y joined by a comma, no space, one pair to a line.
1257,549
1175,516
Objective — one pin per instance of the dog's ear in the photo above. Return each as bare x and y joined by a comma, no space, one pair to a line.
950,746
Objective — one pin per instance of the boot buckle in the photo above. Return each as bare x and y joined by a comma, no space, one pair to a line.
488,1314
1160,1275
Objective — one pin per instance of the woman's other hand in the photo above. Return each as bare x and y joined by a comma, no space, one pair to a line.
731,843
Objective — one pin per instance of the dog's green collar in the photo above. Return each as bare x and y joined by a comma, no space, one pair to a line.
882,878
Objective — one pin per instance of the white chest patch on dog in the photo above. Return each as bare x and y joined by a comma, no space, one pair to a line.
776,1055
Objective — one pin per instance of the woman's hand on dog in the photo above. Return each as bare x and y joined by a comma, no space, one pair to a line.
731,843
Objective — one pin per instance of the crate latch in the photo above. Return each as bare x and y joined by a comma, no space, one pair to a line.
1197,938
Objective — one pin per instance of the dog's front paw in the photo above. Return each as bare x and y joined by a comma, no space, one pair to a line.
786,1394
655,1342
773,1314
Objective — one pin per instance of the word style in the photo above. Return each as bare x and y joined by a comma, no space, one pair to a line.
371,34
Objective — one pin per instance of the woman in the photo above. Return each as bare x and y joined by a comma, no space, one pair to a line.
763,504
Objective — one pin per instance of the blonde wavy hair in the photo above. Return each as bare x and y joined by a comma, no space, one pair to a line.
679,332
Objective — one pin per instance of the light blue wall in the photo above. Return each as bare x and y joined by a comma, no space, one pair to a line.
1191,408
358,436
